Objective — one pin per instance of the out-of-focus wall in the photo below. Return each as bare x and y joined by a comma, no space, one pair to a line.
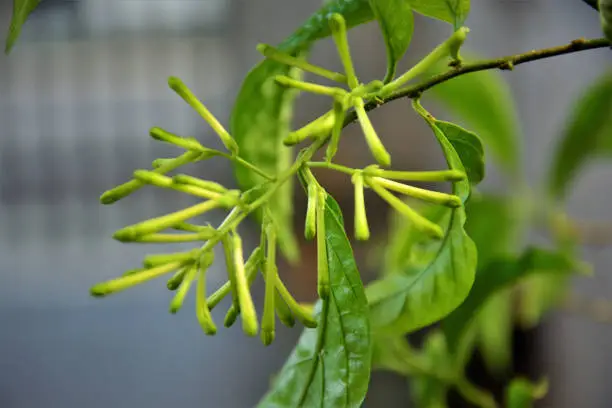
77,97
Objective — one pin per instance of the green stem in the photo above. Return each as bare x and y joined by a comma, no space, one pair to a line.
332,166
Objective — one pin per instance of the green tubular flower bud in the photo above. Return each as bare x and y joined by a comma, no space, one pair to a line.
175,281
181,293
185,226
228,251
274,54
322,265
310,227
302,314
225,289
362,231
317,128
203,184
337,25
202,311
187,143
247,308
268,320
339,115
159,259
433,176
133,232
434,197
456,41
181,89
125,189
174,238
450,47
125,282
150,177
420,222
282,310
309,87
133,271
376,147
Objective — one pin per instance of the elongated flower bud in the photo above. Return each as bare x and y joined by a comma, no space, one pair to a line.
202,311
268,320
188,143
322,264
288,82
310,227
181,293
181,89
247,308
274,54
339,115
125,282
420,222
435,197
376,147
125,189
337,25
362,231
132,232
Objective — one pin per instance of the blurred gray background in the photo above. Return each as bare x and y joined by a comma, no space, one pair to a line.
78,94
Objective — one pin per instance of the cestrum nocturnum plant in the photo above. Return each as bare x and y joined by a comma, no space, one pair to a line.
189,268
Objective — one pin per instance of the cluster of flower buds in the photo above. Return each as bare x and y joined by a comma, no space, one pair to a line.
191,266
329,126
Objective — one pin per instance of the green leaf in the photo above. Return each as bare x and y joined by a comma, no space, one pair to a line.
497,276
588,134
260,120
430,289
21,11
355,12
605,14
521,393
396,22
483,101
469,148
454,12
330,366
539,294
262,114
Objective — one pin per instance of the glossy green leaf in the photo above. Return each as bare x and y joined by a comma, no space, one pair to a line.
454,12
260,120
330,366
469,148
262,114
484,103
21,11
588,134
355,12
521,393
497,276
427,291
396,23
427,391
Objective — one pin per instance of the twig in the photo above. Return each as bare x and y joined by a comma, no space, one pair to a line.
504,63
